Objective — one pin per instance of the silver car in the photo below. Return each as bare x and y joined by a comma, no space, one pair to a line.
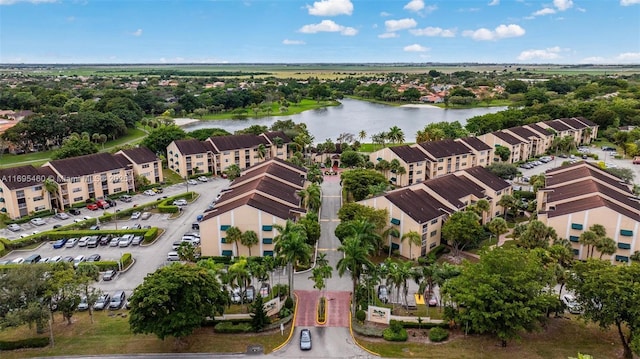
305,339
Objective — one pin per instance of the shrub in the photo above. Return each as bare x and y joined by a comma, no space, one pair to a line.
322,310
230,327
280,290
284,312
102,265
438,334
391,336
288,303
151,234
424,325
125,260
361,315
24,343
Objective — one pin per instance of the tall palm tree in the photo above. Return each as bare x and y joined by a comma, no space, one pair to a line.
396,135
365,231
399,274
249,239
605,245
400,171
481,207
414,238
262,151
234,235
507,202
390,232
355,260
239,275
291,246
589,239
314,197
362,135
51,187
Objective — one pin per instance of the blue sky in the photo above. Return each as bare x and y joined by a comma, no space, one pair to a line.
323,31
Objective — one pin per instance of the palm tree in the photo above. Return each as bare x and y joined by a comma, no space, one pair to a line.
589,239
239,275
232,172
51,187
364,231
390,232
498,226
605,245
507,202
362,135
356,258
414,238
396,135
291,246
314,197
400,171
481,207
234,235
262,151
249,239
399,274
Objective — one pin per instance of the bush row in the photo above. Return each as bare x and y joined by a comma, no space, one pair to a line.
24,343
126,260
102,265
54,235
230,327
424,325
438,334
393,336
151,235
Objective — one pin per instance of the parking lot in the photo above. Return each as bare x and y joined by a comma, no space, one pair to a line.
147,258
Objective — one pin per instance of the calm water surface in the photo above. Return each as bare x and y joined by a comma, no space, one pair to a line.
353,116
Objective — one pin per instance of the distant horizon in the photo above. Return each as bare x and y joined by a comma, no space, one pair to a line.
319,31
326,63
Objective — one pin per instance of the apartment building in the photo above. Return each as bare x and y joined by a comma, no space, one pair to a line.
576,197
518,147
482,153
145,163
263,196
425,206
580,129
215,154
414,161
22,191
533,143
446,156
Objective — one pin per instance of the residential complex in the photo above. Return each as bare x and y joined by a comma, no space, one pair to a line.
265,195
577,196
215,154
425,206
432,159
22,189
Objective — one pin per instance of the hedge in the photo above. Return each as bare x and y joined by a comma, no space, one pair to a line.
151,235
424,325
400,336
438,334
102,265
126,260
55,235
230,327
24,343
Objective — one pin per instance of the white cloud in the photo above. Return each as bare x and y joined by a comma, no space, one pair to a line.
416,48
331,8
629,57
402,24
414,5
388,35
623,58
385,14
629,2
494,2
545,11
137,32
328,26
293,42
544,54
500,32
431,8
563,5
434,31
11,2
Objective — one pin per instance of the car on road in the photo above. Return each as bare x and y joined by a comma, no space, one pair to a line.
383,293
126,198
305,339
109,275
74,211
61,215
94,258
203,179
149,193
173,256
117,300
135,215
146,215
14,227
572,304
102,302
180,202
71,242
38,222
59,243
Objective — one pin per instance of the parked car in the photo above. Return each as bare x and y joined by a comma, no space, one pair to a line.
93,241
203,179
55,259
636,160
38,222
126,198
146,215
56,226
95,227
71,242
62,215
117,300
101,203
235,295
68,259
383,293
77,260
82,242
572,304
125,240
59,243
114,242
14,227
94,258
305,339
265,290
149,192
74,211
192,182
173,256
136,240
102,302
33,259
109,275
250,293
92,207
180,202
432,300
608,148
157,189
83,305
135,215
112,203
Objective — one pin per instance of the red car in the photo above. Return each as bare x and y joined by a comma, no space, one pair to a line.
101,203
92,207
636,160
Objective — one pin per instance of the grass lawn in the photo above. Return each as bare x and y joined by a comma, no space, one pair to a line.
563,338
134,136
292,109
111,335
370,147
171,177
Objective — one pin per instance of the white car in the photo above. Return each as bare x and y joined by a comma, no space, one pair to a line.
77,260
18,260
192,182
62,215
180,202
610,165
149,192
572,304
135,215
14,227
38,222
173,256
203,179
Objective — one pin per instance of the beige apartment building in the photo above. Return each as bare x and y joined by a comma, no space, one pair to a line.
518,147
22,191
576,197
263,196
215,154
482,153
413,160
534,144
580,129
425,206
145,163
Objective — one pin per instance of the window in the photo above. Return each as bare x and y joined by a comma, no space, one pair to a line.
433,233
89,179
434,221
199,156
622,258
223,240
577,226
77,199
626,232
37,188
624,245
115,173
40,208
227,253
464,156
226,152
116,190
441,160
395,221
146,165
224,227
425,227
75,179
432,245
38,198
76,190
440,168
267,253
267,228
576,252
574,238
267,240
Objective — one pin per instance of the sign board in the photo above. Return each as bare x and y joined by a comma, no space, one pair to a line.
379,314
272,307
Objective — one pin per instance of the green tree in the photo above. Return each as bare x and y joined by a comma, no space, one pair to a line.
609,296
503,170
412,237
503,152
74,147
537,235
504,293
355,260
357,182
498,227
232,172
291,247
159,138
259,317
507,202
249,239
351,159
175,300
461,230
234,235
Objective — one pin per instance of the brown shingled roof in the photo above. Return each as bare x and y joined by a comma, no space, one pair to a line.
23,176
409,154
523,132
506,137
557,125
574,122
590,203
452,188
475,143
237,142
419,205
587,187
88,164
140,155
273,134
265,185
190,146
489,179
259,202
558,176
445,148
274,167
539,129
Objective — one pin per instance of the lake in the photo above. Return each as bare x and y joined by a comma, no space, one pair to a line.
353,116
